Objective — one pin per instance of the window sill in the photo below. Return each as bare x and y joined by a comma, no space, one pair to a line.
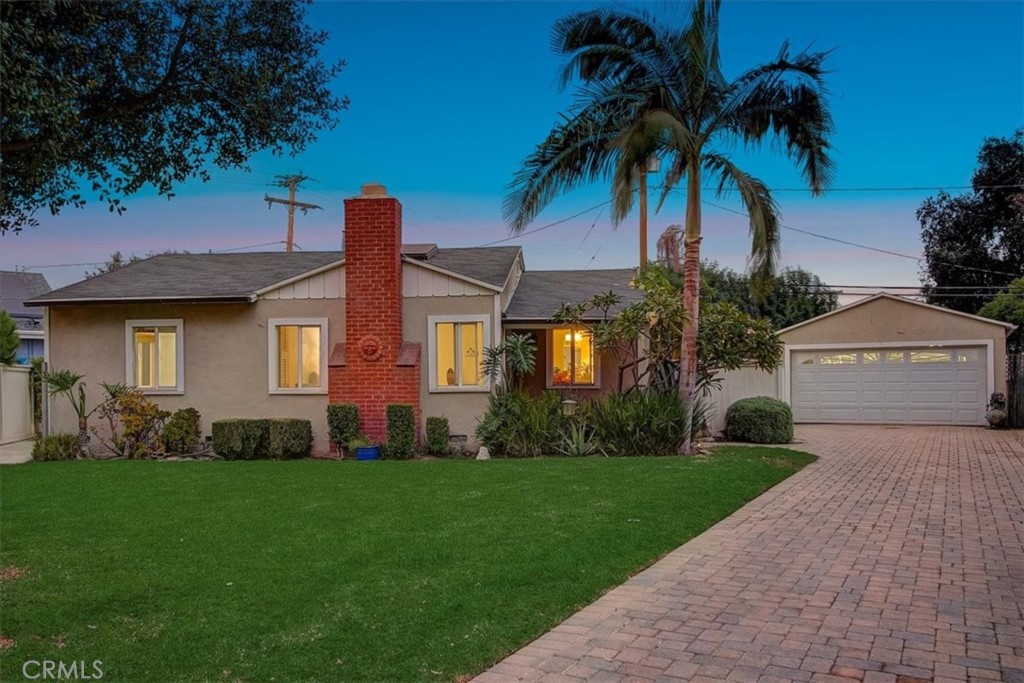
299,392
163,392
460,390
574,387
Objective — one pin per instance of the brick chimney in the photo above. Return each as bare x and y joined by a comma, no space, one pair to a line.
374,366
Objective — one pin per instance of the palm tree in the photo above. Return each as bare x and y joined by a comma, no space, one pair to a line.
648,86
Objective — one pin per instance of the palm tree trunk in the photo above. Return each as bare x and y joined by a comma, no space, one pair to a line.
83,438
691,301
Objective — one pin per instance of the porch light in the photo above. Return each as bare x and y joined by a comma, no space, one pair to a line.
568,407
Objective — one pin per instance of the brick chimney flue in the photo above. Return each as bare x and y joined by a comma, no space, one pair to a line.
375,367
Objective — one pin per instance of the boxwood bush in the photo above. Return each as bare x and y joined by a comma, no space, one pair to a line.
241,439
438,432
181,432
289,438
759,420
342,423
56,447
401,431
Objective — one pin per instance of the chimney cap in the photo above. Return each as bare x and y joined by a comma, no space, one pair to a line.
374,190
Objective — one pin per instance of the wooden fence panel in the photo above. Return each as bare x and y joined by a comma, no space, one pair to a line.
1015,389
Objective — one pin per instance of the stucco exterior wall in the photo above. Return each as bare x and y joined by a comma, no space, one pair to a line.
891,321
225,357
462,408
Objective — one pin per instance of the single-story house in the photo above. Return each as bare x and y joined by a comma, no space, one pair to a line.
283,334
882,360
15,287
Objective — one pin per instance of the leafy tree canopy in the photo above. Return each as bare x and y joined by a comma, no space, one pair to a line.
9,339
975,241
118,94
794,295
1008,306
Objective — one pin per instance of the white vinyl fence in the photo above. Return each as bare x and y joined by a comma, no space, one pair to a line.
743,383
16,421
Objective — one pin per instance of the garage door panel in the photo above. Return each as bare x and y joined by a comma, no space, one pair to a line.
936,385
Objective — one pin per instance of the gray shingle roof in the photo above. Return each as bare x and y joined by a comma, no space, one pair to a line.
16,288
178,277
487,264
237,277
541,292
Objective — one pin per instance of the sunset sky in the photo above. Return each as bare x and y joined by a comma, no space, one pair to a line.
448,98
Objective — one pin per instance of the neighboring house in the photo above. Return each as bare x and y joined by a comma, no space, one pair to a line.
282,334
16,287
883,360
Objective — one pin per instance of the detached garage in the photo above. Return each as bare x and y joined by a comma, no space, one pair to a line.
889,360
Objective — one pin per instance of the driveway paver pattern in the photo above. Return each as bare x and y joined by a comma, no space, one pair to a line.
897,557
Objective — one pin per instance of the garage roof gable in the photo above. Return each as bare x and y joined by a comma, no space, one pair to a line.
882,295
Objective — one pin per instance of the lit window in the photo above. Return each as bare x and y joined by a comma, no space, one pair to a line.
930,357
457,346
298,355
871,357
154,355
838,359
894,356
572,357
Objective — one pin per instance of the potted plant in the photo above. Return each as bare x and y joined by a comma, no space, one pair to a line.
364,448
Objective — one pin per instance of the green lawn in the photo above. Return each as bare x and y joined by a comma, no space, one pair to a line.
260,571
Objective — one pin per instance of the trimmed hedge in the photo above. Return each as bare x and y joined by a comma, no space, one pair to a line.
56,447
401,431
181,433
290,438
438,432
342,423
759,420
241,439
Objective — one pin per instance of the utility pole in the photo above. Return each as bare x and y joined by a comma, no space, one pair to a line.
652,165
291,182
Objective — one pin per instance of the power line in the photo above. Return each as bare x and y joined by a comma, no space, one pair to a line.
549,225
863,246
250,246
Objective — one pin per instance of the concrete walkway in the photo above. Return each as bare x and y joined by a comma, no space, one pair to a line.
898,557
16,453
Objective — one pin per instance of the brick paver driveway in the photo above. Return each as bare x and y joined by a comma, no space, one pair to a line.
898,556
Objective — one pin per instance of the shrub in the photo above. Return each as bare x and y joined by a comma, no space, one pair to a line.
401,431
240,439
517,425
638,423
56,447
342,423
135,423
289,438
437,435
181,433
759,420
9,339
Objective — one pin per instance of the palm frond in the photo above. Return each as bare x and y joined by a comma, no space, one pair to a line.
578,150
764,217
788,99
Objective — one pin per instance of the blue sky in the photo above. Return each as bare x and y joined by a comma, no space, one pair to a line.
447,99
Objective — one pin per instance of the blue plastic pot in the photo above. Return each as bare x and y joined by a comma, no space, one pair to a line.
367,452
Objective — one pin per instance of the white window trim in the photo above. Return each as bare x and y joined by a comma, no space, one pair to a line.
129,353
432,322
549,364
272,351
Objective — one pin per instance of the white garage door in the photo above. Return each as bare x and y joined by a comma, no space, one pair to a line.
890,386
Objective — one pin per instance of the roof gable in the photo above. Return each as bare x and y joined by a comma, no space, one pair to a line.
890,297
